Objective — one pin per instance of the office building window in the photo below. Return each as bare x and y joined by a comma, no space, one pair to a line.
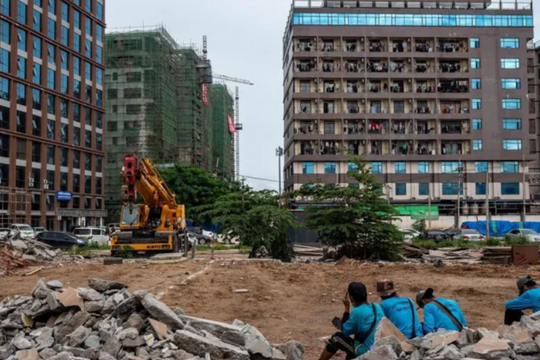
21,12
51,129
512,124
509,43
36,99
512,144
511,84
451,189
37,21
423,167
76,66
99,33
76,188
77,42
400,167
99,76
329,167
51,31
480,188
52,7
64,133
511,104
88,116
77,19
64,35
99,54
88,184
21,44
423,189
4,88
477,144
451,167
21,94
99,120
88,27
88,5
5,35
77,136
477,124
477,104
21,122
481,166
5,7
87,161
99,142
4,117
88,71
4,60
510,188
474,43
51,75
510,63
4,146
51,53
65,12
475,63
36,125
21,67
476,84
509,167
401,189
376,167
37,47
76,159
50,155
99,11
307,168
63,156
36,74
51,102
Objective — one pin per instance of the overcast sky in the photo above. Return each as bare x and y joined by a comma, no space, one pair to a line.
244,41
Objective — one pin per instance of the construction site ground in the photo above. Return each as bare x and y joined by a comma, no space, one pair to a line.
289,301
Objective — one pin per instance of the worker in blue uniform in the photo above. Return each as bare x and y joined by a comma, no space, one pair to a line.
357,326
400,311
529,298
440,313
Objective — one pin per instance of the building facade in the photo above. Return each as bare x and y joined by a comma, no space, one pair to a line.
222,104
52,112
437,96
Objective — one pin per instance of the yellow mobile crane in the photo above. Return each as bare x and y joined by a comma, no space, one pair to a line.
158,224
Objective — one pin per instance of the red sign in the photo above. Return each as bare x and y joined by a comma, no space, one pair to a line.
205,94
232,128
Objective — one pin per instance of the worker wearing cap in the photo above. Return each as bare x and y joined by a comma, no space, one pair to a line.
440,313
360,323
529,298
400,311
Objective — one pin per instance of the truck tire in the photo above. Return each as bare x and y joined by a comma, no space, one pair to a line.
202,241
176,244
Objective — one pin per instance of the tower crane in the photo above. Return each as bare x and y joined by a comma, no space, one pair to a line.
237,124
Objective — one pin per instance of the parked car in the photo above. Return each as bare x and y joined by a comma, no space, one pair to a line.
201,238
92,235
468,234
113,227
38,230
528,234
436,235
4,232
407,236
59,239
228,238
451,232
414,233
25,231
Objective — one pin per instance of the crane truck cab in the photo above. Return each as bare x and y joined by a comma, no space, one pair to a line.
156,224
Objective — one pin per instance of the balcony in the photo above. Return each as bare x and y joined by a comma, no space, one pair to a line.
454,46
304,45
453,86
353,108
378,86
423,67
422,107
399,66
354,147
401,127
306,128
330,87
305,66
307,148
423,46
402,148
377,67
352,67
330,66
426,148
328,46
451,128
352,87
377,147
304,108
352,127
399,46
425,127
425,87
330,148
454,148
452,67
376,107
377,46
400,87
454,107
352,46
378,127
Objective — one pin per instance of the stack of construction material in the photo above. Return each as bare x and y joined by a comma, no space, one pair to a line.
16,253
308,251
497,255
107,322
519,341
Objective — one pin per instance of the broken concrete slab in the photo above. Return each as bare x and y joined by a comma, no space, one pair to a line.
161,312
489,347
293,350
102,285
200,346
160,329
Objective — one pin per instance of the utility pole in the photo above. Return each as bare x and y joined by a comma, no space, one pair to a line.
429,207
487,202
524,214
279,154
460,168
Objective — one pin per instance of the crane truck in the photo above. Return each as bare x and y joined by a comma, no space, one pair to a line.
158,223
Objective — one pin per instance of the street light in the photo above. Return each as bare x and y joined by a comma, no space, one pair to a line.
279,154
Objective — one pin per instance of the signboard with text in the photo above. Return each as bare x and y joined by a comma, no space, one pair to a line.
63,196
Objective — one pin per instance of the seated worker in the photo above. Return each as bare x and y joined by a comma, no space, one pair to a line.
440,313
529,298
400,311
361,323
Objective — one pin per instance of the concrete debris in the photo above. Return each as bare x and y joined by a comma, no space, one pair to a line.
106,322
16,253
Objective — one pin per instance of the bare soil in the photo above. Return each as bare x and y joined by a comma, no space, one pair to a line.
291,301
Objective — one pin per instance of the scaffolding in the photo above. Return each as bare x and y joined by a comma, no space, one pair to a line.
157,104
223,139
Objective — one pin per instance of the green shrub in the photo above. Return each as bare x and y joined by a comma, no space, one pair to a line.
511,240
493,242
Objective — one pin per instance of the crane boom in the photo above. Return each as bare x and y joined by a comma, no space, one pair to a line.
232,79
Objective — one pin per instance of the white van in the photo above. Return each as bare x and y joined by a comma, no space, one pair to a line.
92,235
25,231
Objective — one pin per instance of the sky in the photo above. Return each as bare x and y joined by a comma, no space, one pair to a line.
244,41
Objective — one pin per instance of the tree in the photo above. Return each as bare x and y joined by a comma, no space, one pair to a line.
256,218
195,187
356,219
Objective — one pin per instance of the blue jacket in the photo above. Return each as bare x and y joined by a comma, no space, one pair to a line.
435,319
358,324
398,311
528,300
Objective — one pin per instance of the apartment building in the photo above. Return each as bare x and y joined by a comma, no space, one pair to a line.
51,112
438,96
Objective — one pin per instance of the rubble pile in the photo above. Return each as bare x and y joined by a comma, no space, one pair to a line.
107,322
520,341
17,253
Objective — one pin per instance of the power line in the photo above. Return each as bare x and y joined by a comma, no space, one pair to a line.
258,178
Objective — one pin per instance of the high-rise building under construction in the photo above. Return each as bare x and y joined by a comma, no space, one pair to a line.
161,105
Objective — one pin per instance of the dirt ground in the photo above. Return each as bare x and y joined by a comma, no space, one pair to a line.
291,301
